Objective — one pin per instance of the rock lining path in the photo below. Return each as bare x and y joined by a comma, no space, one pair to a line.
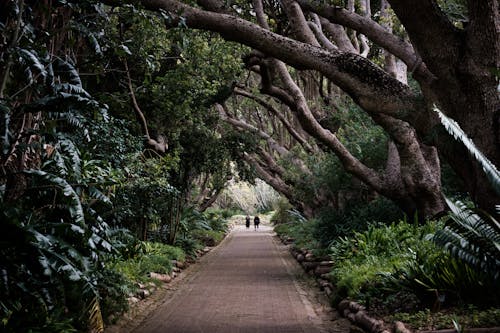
250,283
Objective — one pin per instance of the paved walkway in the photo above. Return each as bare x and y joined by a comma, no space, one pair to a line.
247,284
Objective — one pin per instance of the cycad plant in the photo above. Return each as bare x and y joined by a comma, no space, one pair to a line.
470,234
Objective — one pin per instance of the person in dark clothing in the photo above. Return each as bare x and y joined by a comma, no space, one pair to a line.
247,221
256,222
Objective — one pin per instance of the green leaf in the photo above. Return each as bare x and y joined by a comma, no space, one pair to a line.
489,168
75,207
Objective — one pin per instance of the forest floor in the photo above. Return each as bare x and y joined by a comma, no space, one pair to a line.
249,283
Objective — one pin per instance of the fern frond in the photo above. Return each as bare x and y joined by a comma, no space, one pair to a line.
72,151
488,167
59,162
71,89
96,194
296,215
64,67
33,61
96,323
75,208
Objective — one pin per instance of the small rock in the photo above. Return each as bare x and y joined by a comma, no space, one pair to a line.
176,269
143,293
320,270
133,300
180,265
174,275
355,329
300,257
207,249
162,277
309,265
309,256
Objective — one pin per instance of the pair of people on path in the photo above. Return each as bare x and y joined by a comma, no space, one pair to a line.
256,222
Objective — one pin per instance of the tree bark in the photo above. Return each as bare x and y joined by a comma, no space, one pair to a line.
458,76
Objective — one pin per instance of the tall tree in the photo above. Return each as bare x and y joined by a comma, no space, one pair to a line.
458,77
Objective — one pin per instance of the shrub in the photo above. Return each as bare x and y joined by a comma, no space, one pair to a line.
281,212
364,259
208,237
189,245
356,217
157,258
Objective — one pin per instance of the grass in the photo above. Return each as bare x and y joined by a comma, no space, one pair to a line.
467,317
157,258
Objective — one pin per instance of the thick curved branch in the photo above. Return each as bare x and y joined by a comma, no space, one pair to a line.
428,27
302,141
374,31
245,126
325,42
338,35
277,183
312,126
298,22
369,86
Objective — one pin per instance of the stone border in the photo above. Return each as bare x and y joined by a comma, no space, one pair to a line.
356,313
319,268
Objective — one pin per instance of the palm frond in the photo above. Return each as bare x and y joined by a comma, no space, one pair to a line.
4,127
296,215
488,167
72,89
97,194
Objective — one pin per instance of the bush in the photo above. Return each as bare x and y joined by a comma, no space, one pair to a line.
356,217
189,245
157,258
364,259
208,237
394,266
281,213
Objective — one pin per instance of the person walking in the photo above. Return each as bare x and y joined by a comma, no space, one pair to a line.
256,222
247,221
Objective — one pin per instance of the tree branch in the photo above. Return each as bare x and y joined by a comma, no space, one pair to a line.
375,32
428,27
303,142
366,83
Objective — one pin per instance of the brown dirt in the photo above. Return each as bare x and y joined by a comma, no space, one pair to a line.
249,283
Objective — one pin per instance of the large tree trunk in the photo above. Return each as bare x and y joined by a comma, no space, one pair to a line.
465,86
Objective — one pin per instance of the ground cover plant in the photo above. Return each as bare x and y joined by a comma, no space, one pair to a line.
398,268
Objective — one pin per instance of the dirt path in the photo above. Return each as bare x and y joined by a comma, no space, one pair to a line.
248,284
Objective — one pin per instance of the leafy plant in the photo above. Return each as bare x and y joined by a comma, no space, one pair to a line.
472,236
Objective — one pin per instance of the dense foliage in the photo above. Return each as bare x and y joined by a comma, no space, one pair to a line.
78,189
